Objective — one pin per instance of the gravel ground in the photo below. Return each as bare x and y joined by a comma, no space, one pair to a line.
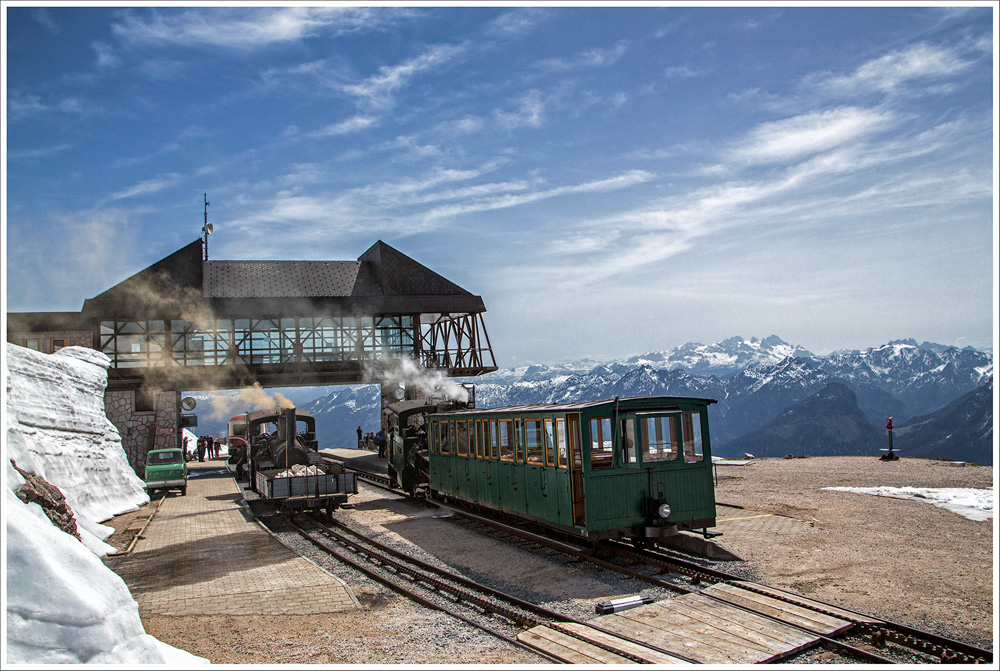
906,561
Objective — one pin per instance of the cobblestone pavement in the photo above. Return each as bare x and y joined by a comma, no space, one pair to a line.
204,554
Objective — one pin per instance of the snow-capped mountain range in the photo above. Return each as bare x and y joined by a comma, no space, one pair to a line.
754,380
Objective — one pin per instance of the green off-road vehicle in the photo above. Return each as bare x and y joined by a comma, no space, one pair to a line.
166,469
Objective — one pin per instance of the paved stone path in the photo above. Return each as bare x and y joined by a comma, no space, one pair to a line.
204,554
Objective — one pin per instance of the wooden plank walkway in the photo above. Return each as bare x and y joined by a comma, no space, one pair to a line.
846,615
790,613
708,631
567,648
724,624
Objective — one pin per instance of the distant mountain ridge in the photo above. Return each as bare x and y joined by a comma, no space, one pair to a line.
754,382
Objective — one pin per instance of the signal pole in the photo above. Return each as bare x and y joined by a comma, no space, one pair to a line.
205,229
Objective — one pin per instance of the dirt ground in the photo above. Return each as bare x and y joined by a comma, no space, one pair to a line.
906,561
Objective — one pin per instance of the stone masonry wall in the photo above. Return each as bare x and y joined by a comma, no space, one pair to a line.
139,429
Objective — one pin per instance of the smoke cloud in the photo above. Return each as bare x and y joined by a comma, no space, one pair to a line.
411,375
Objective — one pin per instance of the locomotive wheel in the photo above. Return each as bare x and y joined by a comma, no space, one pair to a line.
392,477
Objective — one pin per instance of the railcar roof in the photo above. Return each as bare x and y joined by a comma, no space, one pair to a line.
636,402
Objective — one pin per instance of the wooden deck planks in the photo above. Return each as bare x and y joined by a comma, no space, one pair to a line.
743,628
847,615
689,644
648,654
708,631
569,649
792,614
722,625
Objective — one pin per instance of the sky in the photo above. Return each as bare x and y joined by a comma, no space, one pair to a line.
611,180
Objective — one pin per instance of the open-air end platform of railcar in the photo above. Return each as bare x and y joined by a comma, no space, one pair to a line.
205,554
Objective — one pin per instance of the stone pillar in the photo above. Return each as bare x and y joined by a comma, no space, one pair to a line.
139,429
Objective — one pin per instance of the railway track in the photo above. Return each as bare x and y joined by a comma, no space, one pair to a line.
867,639
877,631
497,613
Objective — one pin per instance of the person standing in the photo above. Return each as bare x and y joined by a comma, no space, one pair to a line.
360,435
380,441
201,449
210,446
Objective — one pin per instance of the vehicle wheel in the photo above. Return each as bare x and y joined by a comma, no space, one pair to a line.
392,476
184,490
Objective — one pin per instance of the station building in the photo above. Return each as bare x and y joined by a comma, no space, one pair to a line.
188,324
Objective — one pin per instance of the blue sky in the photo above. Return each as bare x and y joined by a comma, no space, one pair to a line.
610,180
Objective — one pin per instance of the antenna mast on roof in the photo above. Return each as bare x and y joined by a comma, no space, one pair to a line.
207,228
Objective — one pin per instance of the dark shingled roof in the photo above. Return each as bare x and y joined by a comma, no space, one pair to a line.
279,279
381,281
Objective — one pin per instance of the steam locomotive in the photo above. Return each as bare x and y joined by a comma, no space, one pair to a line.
284,465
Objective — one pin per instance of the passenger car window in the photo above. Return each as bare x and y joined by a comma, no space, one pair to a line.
629,454
693,449
659,439
462,438
550,442
445,438
601,443
533,441
519,441
561,453
506,436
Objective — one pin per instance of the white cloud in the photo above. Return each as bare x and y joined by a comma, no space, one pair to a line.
530,113
344,127
106,56
148,186
243,28
807,134
377,90
589,58
891,72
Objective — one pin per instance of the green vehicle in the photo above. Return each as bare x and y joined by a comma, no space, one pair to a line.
634,468
166,469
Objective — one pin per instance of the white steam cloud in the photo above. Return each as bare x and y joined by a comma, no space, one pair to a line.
411,375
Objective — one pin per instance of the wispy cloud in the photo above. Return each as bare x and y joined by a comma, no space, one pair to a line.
244,28
806,134
589,58
43,17
344,127
37,153
148,186
107,58
24,106
529,113
377,91
891,72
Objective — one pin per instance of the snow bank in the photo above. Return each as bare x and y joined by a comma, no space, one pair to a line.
57,428
63,604
975,504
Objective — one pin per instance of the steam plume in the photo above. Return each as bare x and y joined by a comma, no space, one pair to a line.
407,372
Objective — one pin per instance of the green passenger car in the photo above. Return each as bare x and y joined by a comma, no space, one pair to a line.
618,468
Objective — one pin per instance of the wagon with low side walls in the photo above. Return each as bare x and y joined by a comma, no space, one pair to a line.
285,466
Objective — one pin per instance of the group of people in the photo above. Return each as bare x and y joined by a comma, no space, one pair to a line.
207,446
377,440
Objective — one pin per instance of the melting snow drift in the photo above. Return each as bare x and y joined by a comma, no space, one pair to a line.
64,606
975,504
